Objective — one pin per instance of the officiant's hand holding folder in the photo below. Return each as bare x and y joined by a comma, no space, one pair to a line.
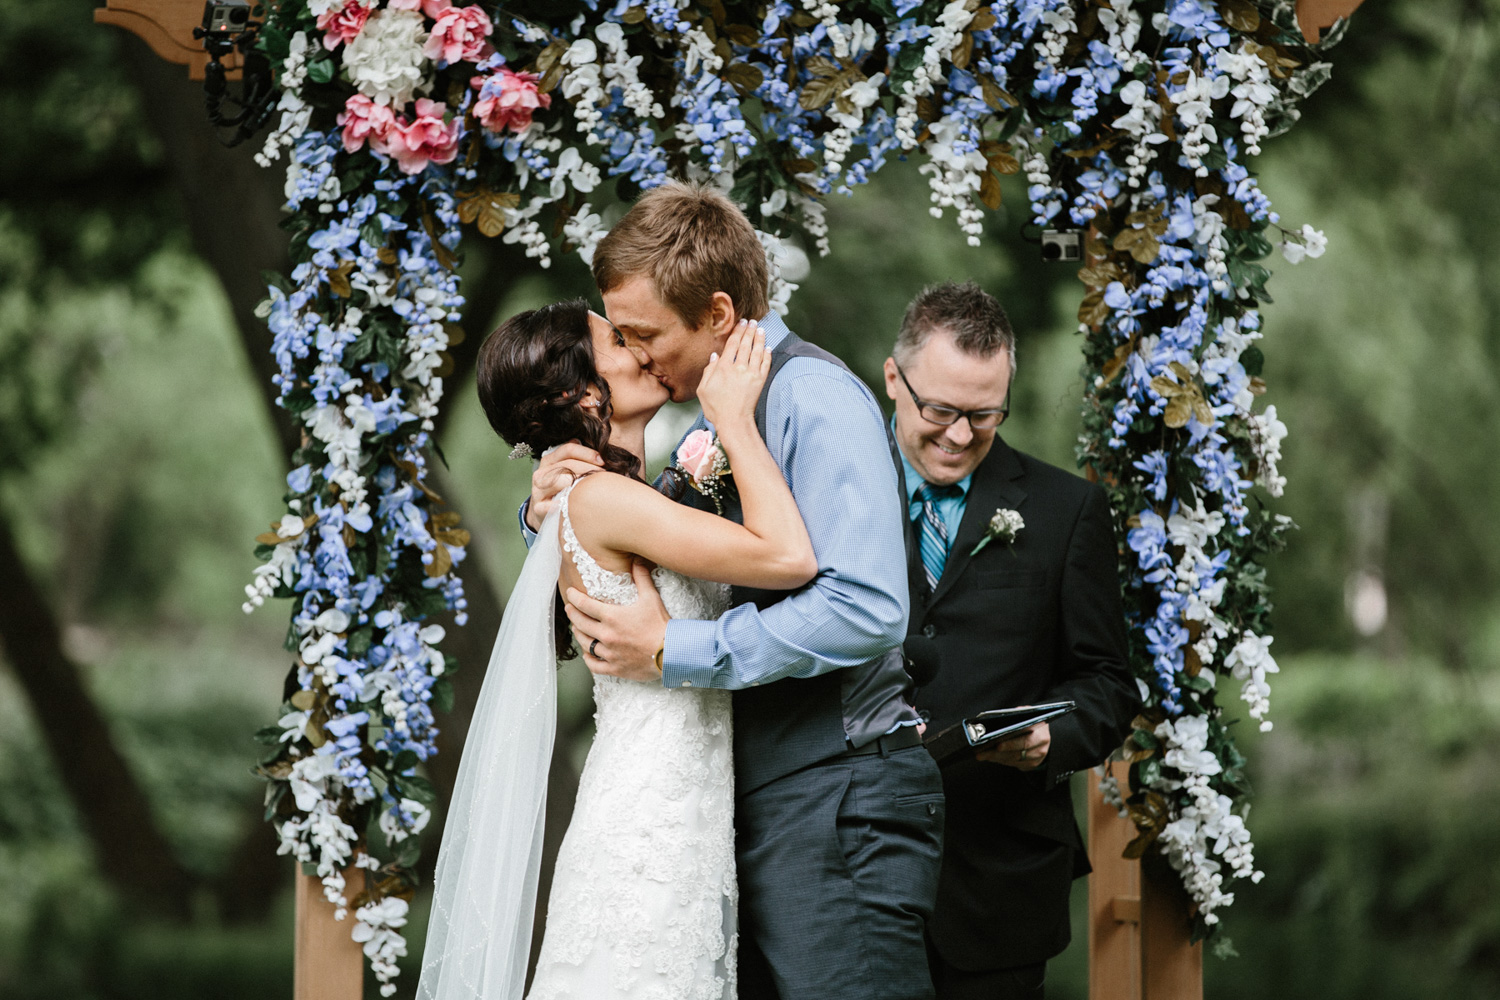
985,728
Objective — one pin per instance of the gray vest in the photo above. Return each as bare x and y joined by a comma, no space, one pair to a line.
787,725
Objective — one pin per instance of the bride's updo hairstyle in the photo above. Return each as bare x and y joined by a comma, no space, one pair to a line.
533,373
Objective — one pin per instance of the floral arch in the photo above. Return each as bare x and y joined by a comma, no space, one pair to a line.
406,123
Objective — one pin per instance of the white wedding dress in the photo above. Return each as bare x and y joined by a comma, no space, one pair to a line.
644,893
643,900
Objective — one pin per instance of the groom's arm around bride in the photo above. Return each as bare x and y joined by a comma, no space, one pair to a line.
839,810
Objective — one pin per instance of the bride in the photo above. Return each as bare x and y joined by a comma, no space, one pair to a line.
643,896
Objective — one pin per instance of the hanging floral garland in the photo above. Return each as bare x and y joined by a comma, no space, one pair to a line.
1132,121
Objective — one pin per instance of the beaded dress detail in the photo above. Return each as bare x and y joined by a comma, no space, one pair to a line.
643,901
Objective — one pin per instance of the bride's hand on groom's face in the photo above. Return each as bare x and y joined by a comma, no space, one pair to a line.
732,381
553,473
620,639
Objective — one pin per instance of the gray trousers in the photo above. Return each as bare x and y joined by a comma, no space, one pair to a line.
838,868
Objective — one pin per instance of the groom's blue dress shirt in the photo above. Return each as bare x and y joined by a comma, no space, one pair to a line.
825,432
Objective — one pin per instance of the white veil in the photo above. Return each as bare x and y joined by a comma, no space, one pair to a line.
479,937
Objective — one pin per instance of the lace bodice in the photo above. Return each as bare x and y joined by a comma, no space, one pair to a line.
643,902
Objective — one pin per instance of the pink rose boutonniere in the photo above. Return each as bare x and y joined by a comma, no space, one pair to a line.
705,464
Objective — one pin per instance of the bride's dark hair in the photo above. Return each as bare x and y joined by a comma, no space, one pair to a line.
533,373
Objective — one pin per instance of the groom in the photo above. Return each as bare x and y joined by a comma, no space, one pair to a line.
839,810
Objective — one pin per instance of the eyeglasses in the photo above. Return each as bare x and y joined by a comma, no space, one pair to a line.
945,416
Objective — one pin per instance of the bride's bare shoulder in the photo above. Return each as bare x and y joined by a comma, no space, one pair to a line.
600,494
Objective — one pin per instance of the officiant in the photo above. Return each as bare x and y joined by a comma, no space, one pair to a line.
1015,600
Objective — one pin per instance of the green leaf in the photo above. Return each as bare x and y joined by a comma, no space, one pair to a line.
320,70
408,852
273,799
418,788
442,694
357,643
1254,360
1150,771
405,761
360,347
278,280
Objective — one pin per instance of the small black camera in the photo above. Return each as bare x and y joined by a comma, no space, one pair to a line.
1062,245
226,18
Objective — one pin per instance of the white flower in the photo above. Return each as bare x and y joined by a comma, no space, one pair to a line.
584,229
332,620
294,724
1314,240
1004,525
1251,661
315,648
385,60
308,777
1309,242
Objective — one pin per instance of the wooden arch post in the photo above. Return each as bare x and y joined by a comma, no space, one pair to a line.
1139,928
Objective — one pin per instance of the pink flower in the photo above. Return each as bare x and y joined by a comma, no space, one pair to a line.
697,452
432,8
427,139
459,35
341,25
362,118
507,100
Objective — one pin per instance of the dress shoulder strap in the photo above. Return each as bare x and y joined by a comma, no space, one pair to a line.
597,581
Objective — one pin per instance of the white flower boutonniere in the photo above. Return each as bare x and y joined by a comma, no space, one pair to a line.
1004,527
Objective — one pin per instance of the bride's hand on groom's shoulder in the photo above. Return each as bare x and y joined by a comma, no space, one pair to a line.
732,380
553,473
621,639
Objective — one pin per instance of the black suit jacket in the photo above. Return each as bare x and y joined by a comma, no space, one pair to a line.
1033,621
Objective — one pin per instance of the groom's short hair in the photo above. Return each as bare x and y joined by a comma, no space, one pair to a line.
966,312
693,242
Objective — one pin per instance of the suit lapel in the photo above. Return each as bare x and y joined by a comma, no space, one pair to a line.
994,486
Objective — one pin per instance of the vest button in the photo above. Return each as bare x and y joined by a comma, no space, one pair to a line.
931,809
930,631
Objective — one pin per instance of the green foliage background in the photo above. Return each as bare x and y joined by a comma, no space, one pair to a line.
136,463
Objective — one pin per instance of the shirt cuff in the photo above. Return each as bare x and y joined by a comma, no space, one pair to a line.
527,535
687,659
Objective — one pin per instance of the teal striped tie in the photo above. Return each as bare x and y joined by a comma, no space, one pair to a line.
934,532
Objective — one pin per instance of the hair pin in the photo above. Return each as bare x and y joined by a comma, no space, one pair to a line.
522,450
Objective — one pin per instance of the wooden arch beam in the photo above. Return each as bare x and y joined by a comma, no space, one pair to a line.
1313,16
167,26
